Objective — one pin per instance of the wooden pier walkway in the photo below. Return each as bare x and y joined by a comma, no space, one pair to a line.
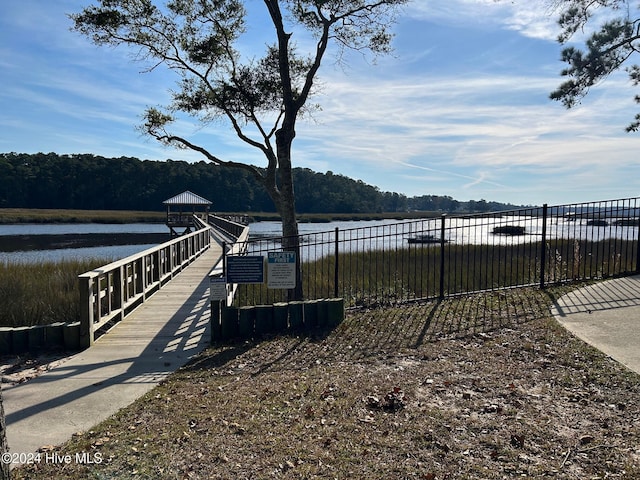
161,335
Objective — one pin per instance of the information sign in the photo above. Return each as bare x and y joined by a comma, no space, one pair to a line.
217,288
281,270
245,269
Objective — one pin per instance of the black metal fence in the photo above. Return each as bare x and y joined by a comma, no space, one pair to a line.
451,255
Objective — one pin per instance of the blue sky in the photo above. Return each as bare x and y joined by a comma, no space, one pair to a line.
461,108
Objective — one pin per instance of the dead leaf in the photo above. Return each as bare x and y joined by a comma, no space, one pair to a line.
101,441
373,401
586,439
517,441
442,446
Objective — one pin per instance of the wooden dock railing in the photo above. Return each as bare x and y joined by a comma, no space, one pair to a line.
239,234
109,293
227,225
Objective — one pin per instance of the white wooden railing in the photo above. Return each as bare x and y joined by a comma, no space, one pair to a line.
109,293
239,233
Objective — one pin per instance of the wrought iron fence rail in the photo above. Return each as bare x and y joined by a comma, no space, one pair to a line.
453,255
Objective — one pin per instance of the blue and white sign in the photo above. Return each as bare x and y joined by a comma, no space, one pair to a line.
281,270
245,269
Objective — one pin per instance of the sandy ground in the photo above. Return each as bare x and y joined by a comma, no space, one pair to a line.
16,369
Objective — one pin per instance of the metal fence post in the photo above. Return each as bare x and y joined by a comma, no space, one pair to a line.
543,245
635,212
442,242
336,267
224,258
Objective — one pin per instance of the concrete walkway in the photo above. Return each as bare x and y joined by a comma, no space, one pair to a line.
173,326
157,338
607,316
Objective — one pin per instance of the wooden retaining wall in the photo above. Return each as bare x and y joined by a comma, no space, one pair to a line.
242,323
40,338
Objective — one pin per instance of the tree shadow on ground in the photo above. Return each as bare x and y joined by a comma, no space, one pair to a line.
376,334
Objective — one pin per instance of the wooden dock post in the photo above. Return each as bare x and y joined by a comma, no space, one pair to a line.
264,319
280,317
216,330
86,311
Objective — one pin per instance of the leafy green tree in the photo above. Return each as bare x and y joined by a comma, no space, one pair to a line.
613,44
260,98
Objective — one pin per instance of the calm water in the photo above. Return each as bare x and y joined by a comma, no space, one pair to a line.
354,235
319,239
472,230
108,252
63,228
111,252
274,229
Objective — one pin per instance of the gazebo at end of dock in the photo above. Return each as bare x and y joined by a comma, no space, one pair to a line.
181,209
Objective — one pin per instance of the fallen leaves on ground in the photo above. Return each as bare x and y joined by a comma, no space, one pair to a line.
484,387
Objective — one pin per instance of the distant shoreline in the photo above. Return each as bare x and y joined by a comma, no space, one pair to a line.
26,215
14,243
41,215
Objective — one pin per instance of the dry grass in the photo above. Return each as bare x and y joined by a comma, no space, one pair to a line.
479,387
35,215
43,293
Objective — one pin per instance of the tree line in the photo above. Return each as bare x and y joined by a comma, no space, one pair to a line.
86,181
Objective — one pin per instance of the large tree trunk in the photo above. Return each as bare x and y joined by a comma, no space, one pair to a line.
291,240
4,447
287,205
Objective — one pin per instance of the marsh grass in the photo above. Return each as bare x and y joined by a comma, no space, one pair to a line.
30,215
387,277
41,294
34,215
48,292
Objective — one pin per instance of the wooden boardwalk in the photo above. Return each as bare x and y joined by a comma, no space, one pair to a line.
157,338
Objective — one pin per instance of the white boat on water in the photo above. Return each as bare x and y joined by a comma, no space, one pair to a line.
425,238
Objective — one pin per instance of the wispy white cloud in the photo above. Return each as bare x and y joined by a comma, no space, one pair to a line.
478,126
533,19
471,134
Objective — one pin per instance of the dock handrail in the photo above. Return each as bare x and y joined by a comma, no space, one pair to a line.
111,292
240,235
232,229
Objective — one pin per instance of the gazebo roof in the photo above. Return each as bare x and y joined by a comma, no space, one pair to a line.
187,198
